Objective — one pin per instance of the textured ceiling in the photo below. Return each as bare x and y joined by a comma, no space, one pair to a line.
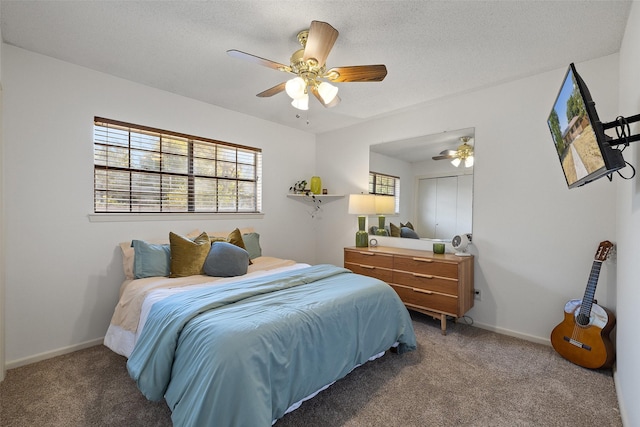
432,49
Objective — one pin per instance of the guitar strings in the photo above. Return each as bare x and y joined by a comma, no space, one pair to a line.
579,329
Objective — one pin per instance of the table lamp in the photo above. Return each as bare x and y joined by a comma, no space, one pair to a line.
362,205
385,205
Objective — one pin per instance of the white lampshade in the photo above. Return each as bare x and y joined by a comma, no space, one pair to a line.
301,103
362,204
468,162
327,92
455,162
295,88
385,205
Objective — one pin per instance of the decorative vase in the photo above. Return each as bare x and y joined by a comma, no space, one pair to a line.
362,237
316,185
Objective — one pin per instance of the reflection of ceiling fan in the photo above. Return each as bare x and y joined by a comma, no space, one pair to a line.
463,154
308,64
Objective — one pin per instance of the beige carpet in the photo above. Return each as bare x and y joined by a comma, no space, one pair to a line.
470,377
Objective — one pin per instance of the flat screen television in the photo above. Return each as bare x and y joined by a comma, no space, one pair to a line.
578,135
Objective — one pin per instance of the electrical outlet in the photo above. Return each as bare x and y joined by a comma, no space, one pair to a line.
477,294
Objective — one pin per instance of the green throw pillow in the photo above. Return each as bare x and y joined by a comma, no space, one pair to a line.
235,237
188,256
408,224
395,230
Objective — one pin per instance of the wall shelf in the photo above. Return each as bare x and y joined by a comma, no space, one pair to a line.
324,198
315,200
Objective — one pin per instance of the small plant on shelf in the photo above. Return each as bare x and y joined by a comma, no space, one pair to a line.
299,187
316,203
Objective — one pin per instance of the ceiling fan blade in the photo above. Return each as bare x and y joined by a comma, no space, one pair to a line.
357,73
321,38
257,60
272,91
446,154
335,101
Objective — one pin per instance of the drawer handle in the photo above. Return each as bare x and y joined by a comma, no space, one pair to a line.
422,291
423,276
369,267
366,253
423,259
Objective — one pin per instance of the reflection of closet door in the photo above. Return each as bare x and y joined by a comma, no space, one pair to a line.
426,203
446,210
437,207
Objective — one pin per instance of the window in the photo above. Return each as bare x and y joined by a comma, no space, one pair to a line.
138,169
386,185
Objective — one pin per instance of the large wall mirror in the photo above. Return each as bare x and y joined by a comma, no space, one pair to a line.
436,196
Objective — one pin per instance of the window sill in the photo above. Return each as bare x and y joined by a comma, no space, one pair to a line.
131,217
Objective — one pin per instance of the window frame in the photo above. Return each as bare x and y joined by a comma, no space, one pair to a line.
396,187
188,194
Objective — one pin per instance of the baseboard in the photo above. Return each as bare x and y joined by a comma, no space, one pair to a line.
623,410
509,332
50,354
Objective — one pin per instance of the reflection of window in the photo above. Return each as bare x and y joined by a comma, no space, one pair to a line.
141,169
386,185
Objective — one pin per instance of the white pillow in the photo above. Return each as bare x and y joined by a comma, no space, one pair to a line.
225,234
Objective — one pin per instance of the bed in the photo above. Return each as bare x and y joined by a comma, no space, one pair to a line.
245,350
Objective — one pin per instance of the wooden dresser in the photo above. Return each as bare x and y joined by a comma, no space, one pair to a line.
437,285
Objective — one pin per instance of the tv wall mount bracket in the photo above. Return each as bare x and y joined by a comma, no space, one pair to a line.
621,124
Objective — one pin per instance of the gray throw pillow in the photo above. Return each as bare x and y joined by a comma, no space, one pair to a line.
226,260
408,233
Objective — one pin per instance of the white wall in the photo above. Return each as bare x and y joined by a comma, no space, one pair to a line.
63,272
535,240
628,233
2,270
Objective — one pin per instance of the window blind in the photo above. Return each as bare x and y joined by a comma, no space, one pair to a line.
138,169
385,185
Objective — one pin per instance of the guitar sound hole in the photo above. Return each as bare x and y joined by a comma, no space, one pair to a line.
582,320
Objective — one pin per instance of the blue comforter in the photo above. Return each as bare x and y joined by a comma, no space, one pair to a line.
240,354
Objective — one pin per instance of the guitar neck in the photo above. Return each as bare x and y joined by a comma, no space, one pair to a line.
590,291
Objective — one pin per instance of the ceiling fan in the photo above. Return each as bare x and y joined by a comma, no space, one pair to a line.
463,154
308,64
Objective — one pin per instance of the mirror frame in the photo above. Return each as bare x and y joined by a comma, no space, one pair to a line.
429,145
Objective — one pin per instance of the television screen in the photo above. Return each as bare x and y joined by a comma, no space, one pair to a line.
578,136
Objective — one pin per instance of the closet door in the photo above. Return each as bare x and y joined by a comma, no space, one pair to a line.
426,201
447,210
437,207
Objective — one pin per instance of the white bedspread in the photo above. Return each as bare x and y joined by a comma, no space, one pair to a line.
138,296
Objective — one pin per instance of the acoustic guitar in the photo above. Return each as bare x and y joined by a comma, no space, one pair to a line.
583,335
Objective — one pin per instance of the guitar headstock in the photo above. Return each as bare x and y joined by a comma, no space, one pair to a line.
604,249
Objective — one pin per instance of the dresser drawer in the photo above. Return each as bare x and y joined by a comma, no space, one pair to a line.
426,266
383,274
426,282
430,301
369,258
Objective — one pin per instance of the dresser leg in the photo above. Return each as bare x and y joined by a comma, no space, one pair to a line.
443,323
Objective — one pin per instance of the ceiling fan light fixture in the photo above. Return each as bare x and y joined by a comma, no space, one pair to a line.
295,88
468,162
327,91
456,162
301,103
